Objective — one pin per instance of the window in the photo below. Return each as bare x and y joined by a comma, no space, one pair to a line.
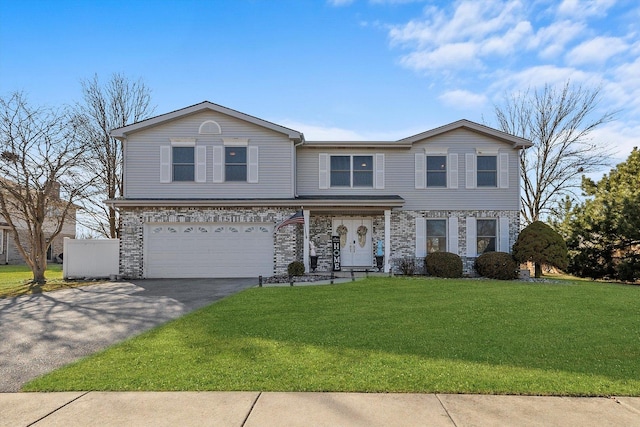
486,235
183,163
436,171
487,171
436,235
235,159
352,171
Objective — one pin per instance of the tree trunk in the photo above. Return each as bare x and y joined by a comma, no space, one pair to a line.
538,270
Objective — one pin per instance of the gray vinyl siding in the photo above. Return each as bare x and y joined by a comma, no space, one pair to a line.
400,175
142,154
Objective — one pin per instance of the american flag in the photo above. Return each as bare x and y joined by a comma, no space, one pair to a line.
296,218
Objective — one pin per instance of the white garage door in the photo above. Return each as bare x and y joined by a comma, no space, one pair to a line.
208,250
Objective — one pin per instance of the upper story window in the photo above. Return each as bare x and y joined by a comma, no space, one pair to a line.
351,171
436,171
487,233
235,163
436,235
487,171
183,161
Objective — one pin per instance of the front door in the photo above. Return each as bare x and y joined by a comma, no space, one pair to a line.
356,248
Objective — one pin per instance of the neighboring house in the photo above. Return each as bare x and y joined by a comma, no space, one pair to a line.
8,251
205,187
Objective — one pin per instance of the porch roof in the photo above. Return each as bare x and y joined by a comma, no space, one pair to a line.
329,202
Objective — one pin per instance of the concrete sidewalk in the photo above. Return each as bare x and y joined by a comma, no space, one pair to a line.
309,409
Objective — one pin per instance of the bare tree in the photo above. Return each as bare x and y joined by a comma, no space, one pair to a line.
40,160
105,107
559,122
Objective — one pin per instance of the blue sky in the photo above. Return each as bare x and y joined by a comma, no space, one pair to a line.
334,69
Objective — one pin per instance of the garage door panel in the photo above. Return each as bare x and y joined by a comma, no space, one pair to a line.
208,250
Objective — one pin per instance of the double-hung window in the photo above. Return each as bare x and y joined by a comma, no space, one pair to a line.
436,235
436,171
487,233
183,163
487,171
235,163
351,171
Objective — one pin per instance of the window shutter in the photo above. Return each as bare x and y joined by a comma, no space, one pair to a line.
201,164
503,172
218,164
252,166
471,238
421,237
1,241
323,171
165,163
452,238
504,235
453,170
470,166
421,173
379,177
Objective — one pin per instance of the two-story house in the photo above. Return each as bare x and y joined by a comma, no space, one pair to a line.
206,186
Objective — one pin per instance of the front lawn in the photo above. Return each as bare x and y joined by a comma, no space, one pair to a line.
386,335
15,280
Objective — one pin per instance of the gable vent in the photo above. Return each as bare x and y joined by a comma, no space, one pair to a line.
209,127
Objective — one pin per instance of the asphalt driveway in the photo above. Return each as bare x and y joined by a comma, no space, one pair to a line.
39,333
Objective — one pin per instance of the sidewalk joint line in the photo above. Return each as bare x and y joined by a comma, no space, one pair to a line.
445,409
57,409
251,409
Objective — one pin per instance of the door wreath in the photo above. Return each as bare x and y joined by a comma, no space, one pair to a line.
362,235
342,232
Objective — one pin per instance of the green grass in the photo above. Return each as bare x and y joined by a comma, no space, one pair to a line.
15,280
386,335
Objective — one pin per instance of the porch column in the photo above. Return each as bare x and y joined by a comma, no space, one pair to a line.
387,240
305,249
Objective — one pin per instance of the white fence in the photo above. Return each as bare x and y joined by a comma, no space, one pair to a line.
92,258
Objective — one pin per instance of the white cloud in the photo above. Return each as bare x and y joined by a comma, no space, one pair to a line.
619,136
455,55
463,99
596,51
339,3
538,76
579,9
550,41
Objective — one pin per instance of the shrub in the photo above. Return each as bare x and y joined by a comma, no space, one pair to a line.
407,266
443,264
497,265
541,244
296,268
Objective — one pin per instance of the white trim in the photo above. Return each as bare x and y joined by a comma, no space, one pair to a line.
421,237
218,164
210,122
1,241
252,165
305,250
420,170
452,235
434,151
235,142
323,171
472,243
183,142
503,233
201,164
387,240
452,170
165,163
378,171
470,169
503,170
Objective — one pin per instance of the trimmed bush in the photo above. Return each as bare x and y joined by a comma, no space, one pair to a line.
443,264
497,265
296,268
